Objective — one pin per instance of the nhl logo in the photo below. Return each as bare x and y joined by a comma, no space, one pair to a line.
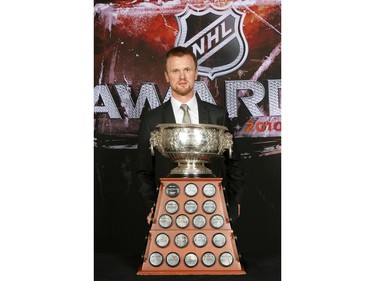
215,36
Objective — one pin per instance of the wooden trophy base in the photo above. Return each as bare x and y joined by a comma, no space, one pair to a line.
191,232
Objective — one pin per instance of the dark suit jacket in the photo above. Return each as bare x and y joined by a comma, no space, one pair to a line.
151,169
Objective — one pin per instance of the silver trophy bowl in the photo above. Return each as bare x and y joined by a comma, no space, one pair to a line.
191,146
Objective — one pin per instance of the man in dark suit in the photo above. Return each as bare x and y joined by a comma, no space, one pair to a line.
180,72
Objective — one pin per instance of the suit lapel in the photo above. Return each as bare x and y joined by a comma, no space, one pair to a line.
204,115
168,116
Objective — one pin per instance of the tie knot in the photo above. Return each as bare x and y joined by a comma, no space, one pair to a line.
184,107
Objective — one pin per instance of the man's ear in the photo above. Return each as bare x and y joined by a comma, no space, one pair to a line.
166,76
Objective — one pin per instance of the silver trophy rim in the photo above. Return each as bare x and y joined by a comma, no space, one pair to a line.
175,125
191,156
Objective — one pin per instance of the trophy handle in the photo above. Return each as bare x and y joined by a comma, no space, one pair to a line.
226,143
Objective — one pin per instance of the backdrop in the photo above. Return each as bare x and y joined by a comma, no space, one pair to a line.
238,46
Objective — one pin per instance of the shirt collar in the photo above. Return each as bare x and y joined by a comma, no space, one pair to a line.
193,105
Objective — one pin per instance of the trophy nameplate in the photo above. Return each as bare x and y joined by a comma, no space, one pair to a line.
200,240
226,259
191,260
209,206
191,189
209,190
199,221
219,240
172,190
162,240
181,240
191,206
165,221
173,259
208,259
171,207
182,221
217,221
156,259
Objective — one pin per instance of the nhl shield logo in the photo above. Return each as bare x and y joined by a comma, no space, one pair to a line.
215,36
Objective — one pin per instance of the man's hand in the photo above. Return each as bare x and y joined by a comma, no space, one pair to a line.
149,217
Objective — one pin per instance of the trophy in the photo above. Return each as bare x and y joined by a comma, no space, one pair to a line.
191,233
191,146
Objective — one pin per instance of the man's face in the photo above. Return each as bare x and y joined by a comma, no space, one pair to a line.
180,74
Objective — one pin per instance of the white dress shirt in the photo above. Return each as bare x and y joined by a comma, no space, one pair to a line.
179,113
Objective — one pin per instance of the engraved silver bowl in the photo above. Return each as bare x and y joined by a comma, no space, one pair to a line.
191,146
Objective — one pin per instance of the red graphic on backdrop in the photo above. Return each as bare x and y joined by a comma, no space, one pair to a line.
130,42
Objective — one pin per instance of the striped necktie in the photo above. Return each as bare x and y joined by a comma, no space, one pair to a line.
186,118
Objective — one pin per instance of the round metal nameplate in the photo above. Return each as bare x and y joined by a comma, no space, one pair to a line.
191,206
173,259
165,221
226,259
181,240
217,221
199,221
171,206
182,221
162,240
172,190
209,190
191,259
209,206
191,189
219,240
208,259
156,259
200,239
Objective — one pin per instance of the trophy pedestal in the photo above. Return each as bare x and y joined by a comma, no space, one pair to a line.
191,232
189,168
